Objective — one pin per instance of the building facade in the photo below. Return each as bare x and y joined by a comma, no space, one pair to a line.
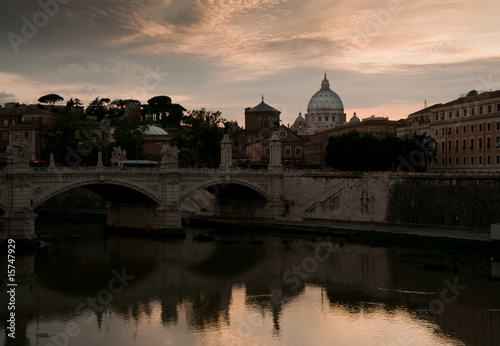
467,132
260,120
292,150
22,122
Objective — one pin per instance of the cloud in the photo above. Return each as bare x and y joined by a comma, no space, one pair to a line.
7,97
69,69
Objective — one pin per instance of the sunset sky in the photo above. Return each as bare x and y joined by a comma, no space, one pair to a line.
382,57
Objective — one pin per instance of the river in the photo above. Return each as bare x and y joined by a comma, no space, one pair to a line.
236,287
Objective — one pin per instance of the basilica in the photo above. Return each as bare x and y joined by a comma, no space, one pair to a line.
303,144
324,111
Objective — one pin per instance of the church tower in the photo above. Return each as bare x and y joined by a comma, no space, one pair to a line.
259,121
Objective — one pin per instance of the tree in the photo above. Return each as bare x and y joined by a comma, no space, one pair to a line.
199,144
128,134
70,103
73,139
164,112
159,107
351,151
176,114
98,108
51,99
363,152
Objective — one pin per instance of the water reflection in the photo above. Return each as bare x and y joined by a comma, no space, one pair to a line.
88,288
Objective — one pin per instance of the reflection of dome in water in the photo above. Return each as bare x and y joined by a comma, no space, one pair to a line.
354,119
325,100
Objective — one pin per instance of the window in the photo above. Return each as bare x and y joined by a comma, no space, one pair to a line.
480,143
480,160
298,151
497,142
498,125
5,122
264,123
449,145
26,135
497,159
457,113
373,129
319,118
442,146
17,136
472,144
488,127
391,129
480,109
465,161
488,143
472,160
442,132
456,130
465,129
449,161
480,127
465,112
436,132
498,107
442,161
449,115
488,160
5,136
326,118
267,151
288,151
456,144
489,108
464,144
472,111
456,161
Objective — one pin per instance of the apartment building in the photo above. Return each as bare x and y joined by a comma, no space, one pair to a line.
467,132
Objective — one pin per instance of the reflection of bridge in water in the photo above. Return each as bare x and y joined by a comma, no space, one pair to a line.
198,278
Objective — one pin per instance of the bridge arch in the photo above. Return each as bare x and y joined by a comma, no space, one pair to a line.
230,199
108,190
218,186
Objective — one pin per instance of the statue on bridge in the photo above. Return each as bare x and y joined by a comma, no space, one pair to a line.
169,155
117,155
19,151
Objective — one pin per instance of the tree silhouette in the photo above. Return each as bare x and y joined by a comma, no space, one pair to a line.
50,99
199,142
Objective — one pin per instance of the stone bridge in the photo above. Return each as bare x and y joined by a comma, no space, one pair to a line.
142,198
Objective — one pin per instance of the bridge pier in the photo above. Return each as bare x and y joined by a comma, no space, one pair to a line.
19,224
147,217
